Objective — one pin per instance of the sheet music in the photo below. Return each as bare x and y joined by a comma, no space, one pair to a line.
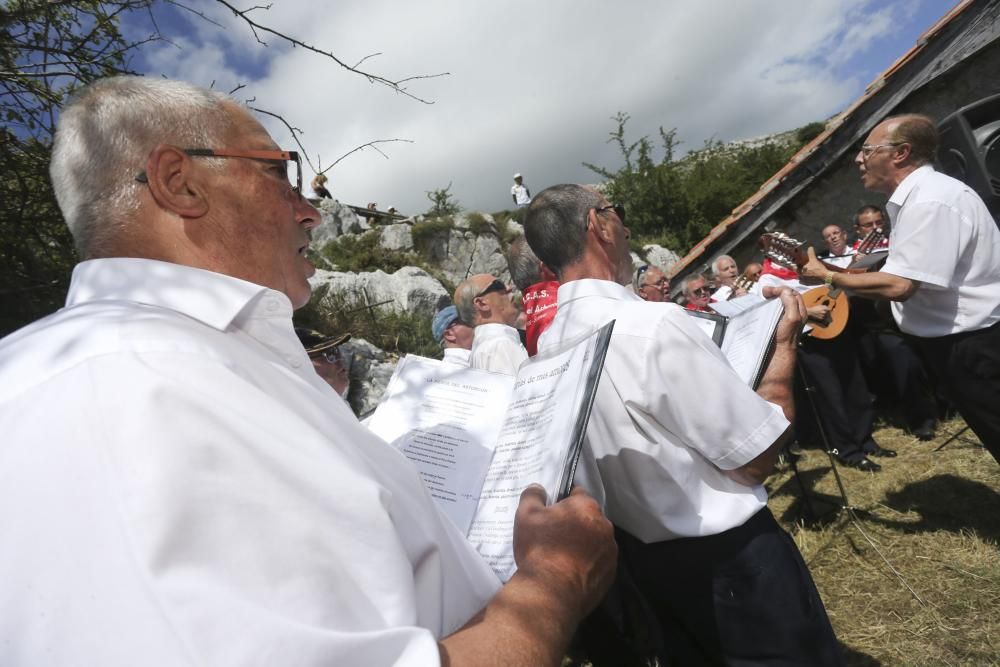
748,337
445,419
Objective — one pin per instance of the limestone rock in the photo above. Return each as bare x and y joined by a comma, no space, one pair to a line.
409,289
338,219
370,371
396,237
660,257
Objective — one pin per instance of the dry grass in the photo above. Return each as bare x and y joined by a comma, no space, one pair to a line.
913,578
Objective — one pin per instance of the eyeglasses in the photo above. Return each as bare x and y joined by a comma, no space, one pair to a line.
274,156
867,150
329,356
702,291
495,286
619,210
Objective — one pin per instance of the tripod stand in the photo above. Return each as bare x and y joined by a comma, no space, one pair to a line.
810,392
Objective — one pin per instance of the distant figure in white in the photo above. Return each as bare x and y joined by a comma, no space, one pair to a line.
519,192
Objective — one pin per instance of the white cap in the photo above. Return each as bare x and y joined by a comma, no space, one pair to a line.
517,175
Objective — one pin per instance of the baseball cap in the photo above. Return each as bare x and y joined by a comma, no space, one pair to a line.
315,342
444,319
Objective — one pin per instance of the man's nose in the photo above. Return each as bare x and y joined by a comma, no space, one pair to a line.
306,214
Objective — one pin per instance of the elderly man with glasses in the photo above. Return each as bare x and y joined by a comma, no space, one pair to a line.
697,292
327,358
682,448
453,335
942,273
487,304
651,284
180,486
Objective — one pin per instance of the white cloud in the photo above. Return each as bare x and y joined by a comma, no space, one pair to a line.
533,85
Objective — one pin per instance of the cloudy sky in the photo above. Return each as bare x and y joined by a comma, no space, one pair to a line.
532,86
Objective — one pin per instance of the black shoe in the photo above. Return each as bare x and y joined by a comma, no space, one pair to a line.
862,464
882,452
926,430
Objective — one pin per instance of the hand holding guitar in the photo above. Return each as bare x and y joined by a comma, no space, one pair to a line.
813,272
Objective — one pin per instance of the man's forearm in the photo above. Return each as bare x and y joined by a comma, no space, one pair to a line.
775,387
525,624
874,285
776,384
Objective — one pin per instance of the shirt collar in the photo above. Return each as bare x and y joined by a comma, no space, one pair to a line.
591,287
496,330
212,298
906,186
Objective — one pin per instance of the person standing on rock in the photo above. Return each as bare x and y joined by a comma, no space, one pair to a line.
519,192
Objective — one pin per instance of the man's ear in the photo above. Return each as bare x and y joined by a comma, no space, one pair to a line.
903,152
449,335
482,307
174,182
602,228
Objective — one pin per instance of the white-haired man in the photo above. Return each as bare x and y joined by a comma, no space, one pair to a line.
180,485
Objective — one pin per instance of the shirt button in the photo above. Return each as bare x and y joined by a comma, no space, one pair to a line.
272,304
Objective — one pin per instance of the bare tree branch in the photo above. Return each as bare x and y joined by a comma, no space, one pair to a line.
372,78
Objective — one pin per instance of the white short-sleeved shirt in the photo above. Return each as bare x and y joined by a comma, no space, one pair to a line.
456,355
520,193
943,236
669,417
179,487
497,347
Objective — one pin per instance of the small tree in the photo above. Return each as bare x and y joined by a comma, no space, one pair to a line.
443,204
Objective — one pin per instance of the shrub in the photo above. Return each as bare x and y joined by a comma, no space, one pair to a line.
443,203
425,233
394,332
365,253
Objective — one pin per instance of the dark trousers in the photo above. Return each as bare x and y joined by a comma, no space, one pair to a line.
841,397
967,365
894,371
742,597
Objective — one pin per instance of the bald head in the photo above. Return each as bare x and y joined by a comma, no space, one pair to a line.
484,299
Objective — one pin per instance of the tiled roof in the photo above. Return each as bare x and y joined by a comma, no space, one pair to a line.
703,249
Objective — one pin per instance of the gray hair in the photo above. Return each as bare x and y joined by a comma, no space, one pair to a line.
465,296
715,263
556,224
523,263
686,283
104,136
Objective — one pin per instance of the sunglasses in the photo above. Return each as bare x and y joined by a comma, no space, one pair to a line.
702,291
619,210
495,286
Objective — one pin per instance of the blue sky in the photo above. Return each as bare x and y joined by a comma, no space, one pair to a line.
532,86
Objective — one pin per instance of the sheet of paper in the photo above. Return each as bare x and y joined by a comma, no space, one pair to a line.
738,305
445,418
748,336
532,447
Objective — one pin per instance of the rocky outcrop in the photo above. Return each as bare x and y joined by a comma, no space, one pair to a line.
409,289
370,372
337,221
660,257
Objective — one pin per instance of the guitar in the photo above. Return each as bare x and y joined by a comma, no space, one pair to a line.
789,252
868,257
743,282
